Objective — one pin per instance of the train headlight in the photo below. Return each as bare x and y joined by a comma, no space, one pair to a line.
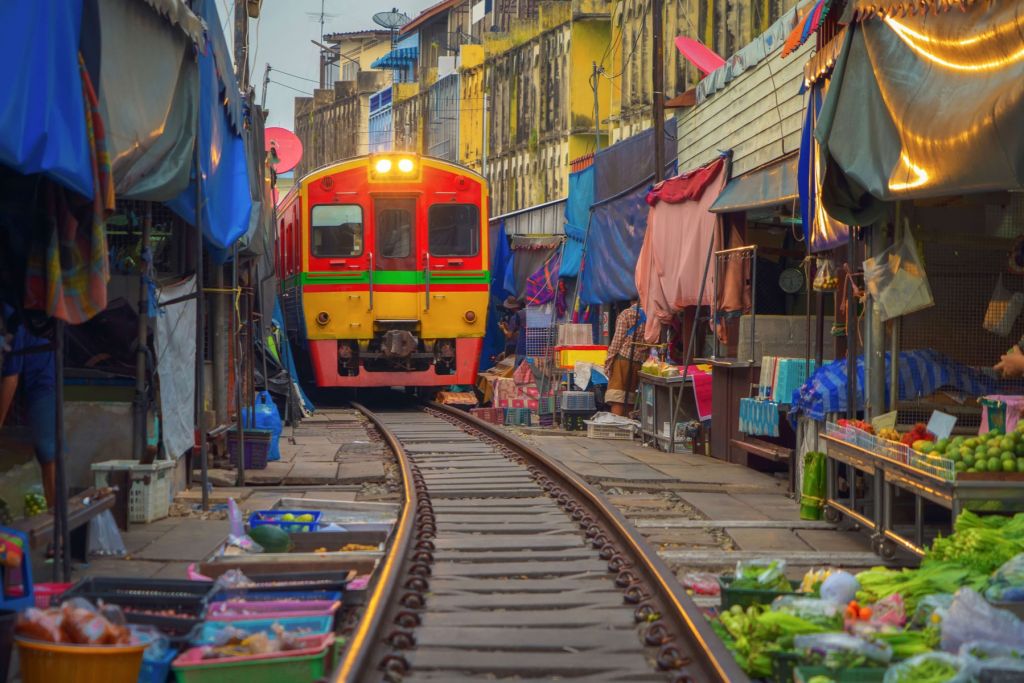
406,165
469,317
384,165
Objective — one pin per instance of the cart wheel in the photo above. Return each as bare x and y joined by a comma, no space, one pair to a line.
832,516
876,545
886,549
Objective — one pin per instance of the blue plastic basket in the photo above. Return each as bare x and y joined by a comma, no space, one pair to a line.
301,626
257,595
273,518
157,670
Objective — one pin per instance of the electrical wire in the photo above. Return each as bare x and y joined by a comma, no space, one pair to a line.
285,85
301,78
632,49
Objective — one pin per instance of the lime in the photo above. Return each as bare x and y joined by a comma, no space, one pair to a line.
1020,464
969,459
981,465
960,466
972,443
994,465
1009,466
959,440
1007,455
972,469
1006,443
1019,449
941,444
994,451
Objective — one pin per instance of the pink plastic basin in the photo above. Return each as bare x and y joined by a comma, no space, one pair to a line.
311,645
234,610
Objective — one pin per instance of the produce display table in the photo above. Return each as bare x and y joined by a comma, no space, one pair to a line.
890,470
664,401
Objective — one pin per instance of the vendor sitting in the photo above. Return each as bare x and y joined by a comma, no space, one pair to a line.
35,370
513,325
625,356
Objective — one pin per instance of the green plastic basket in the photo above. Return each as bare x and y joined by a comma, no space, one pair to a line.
299,669
783,666
802,674
745,597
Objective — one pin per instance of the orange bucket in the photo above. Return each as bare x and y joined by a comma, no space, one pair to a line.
43,662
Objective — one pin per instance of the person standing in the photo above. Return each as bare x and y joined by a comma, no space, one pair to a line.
625,356
35,371
514,328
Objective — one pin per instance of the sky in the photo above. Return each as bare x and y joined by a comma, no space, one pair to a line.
281,38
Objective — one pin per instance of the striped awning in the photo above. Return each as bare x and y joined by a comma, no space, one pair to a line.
806,26
398,58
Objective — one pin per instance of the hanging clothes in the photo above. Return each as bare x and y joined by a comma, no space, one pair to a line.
671,266
542,284
67,275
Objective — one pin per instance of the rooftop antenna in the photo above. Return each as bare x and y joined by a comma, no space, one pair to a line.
321,16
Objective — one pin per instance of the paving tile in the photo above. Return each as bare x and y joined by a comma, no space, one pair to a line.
834,541
343,496
221,494
767,539
684,537
722,506
173,570
636,472
312,473
192,540
138,538
108,566
262,500
360,471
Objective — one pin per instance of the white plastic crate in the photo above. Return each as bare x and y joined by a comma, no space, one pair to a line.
610,432
150,496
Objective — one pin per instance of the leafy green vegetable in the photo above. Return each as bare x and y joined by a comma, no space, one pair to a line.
927,671
914,584
755,634
907,644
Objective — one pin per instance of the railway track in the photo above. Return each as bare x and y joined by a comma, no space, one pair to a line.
506,565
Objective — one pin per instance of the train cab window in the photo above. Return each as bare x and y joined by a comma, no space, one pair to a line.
454,229
337,230
395,222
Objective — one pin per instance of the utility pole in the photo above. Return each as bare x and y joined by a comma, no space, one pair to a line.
266,82
658,89
597,117
483,141
241,45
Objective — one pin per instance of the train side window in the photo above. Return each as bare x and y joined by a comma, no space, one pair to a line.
337,230
454,229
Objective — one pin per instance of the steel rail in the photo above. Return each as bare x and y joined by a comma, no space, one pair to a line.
687,647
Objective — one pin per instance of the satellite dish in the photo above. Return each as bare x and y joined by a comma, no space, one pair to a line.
391,20
285,145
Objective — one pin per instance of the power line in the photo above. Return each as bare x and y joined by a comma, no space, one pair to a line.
302,78
285,85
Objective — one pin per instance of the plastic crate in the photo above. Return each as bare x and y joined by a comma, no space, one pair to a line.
572,422
273,518
257,447
493,415
578,401
745,597
143,600
609,432
150,496
156,670
257,595
247,610
307,664
546,420
783,666
802,674
517,417
294,626
46,592
568,356
546,405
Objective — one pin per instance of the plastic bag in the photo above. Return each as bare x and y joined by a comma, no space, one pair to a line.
1000,670
961,669
701,583
971,618
842,651
1003,309
889,611
232,578
265,416
931,610
237,538
761,573
814,610
896,279
825,276
840,587
982,650
104,536
1007,583
157,643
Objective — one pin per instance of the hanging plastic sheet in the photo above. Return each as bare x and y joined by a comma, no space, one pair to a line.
501,261
956,130
529,254
224,172
577,218
629,163
821,230
617,230
42,115
542,284
285,352
174,340
149,93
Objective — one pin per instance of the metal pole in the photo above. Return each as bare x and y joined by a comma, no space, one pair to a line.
597,116
61,529
851,330
200,346
658,90
219,335
140,404
266,82
235,337
875,341
241,45
894,334
483,141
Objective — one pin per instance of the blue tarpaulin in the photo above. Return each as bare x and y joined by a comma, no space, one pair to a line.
501,263
42,113
577,218
617,230
285,351
227,202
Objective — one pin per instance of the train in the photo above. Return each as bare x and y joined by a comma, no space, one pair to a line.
383,265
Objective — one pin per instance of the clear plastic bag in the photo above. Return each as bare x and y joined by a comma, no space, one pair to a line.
889,611
931,610
961,669
237,538
826,278
1007,583
815,610
971,618
1003,309
982,650
157,644
842,651
896,279
232,578
764,572
104,536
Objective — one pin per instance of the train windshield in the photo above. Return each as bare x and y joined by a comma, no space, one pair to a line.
337,230
454,229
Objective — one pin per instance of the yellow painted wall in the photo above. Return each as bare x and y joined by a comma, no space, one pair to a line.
588,41
471,106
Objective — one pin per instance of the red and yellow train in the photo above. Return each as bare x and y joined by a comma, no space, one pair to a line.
383,263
